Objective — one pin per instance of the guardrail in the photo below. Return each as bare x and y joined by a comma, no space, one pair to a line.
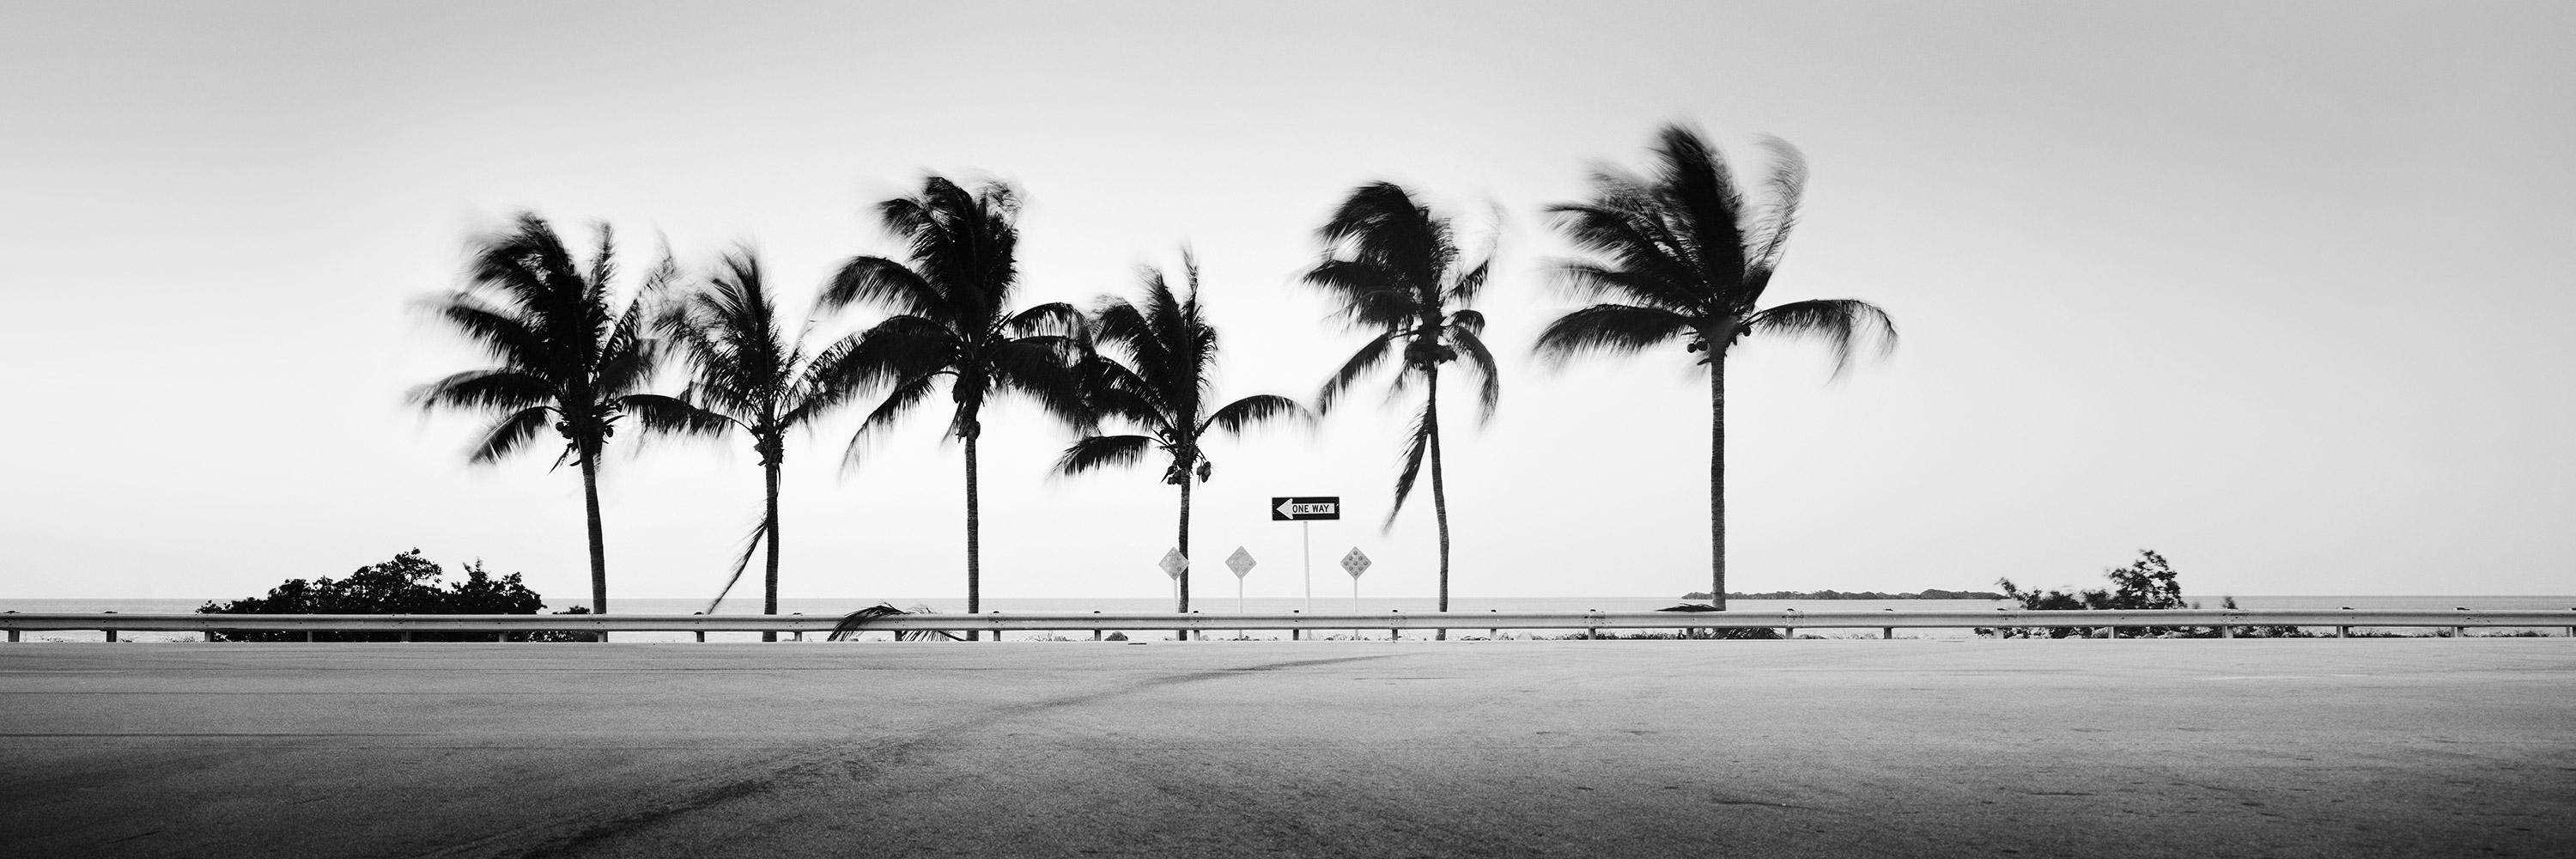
1887,621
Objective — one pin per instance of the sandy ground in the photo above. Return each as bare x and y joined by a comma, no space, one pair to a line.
1636,748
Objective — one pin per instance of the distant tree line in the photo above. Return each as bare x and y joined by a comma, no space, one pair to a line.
1925,594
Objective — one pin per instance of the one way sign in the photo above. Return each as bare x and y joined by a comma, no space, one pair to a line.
1305,508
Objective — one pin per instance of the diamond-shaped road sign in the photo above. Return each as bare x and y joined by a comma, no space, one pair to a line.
1240,562
1355,563
1174,562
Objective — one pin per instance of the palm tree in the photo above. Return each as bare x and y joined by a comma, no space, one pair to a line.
1682,257
1397,270
746,374
1164,389
950,320
567,356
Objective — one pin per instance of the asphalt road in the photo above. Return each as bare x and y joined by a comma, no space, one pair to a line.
1557,748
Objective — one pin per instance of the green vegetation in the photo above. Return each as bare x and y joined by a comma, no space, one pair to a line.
408,584
1682,257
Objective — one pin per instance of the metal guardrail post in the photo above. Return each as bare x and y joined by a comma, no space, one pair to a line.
2226,630
1095,630
800,634
702,634
1293,631
1395,633
1496,633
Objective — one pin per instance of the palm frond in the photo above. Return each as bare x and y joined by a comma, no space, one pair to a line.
1610,328
901,398
1256,409
504,336
1369,356
1095,452
1489,389
1416,443
759,532
881,281
1057,318
485,390
1044,369
674,416
1695,186
1469,284
1837,321
1788,188
509,434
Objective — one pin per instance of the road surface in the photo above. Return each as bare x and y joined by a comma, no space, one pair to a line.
1840,748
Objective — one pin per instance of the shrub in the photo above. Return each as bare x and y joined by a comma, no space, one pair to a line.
2146,583
408,584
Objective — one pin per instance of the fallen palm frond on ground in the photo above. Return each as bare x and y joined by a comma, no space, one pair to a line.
856,622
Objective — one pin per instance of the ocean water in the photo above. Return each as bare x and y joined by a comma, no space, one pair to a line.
1216,606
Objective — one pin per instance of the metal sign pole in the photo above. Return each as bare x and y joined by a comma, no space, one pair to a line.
1309,554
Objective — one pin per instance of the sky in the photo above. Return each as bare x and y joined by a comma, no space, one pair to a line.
2280,290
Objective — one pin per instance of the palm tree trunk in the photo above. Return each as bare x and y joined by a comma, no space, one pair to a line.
769,602
1439,491
598,543
1717,479
1185,542
1185,548
974,527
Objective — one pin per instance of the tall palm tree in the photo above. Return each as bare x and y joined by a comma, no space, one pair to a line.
1163,387
567,355
746,373
1397,270
951,321
1682,257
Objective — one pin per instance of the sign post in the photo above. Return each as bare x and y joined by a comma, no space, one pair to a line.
1355,563
1305,510
1174,564
1240,562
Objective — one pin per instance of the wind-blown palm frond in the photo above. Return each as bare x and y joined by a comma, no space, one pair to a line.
1837,321
899,398
493,390
1610,328
1478,360
1370,355
507,435
1259,408
674,416
1417,444
1102,451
